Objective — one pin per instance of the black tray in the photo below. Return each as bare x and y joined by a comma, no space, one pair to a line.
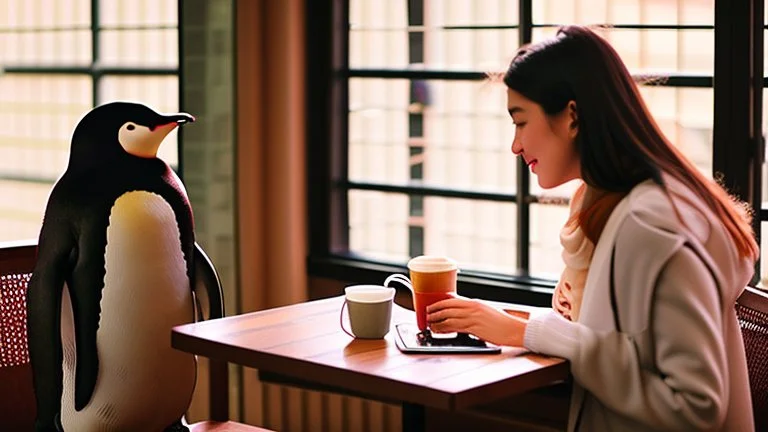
410,340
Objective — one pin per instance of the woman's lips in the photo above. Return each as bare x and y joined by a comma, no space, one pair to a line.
532,164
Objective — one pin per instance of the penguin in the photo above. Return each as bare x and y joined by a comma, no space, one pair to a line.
115,272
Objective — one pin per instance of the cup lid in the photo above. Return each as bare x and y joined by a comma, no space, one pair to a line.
432,264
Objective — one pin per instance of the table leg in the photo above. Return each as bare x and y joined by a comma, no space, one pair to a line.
414,418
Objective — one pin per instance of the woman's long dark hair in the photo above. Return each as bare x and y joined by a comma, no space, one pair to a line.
619,143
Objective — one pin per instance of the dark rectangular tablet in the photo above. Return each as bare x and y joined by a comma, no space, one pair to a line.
410,340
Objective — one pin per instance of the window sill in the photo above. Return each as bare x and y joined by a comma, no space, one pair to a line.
510,289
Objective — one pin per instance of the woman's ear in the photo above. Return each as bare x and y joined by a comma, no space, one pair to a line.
573,118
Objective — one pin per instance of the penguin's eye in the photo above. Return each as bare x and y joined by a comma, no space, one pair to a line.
131,127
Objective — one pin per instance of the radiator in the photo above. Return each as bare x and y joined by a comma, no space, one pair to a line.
289,409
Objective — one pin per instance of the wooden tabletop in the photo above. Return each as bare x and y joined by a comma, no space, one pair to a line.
303,342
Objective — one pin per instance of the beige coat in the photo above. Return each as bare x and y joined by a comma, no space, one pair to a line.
667,352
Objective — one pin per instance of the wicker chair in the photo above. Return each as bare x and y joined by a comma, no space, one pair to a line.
17,401
752,309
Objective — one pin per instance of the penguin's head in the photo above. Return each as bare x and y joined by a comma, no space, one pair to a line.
120,128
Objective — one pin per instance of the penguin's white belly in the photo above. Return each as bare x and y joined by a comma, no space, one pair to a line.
143,384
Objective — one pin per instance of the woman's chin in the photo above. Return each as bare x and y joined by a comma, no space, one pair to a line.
545,184
550,183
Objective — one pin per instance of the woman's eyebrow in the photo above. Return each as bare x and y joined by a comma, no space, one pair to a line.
514,110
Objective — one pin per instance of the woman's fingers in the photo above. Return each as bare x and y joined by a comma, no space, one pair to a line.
437,316
450,319
449,325
443,314
518,313
446,304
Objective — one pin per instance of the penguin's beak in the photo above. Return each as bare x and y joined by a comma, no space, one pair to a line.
174,119
181,118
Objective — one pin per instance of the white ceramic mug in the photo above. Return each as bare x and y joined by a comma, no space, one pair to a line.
369,309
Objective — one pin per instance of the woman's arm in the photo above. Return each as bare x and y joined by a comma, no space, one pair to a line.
476,317
688,391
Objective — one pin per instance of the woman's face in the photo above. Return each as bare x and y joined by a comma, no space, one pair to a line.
546,143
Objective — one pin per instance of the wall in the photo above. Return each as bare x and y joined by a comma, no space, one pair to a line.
207,158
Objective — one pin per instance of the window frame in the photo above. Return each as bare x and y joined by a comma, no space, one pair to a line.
95,71
737,119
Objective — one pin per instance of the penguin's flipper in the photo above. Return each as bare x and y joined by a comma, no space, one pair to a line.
86,292
207,285
44,294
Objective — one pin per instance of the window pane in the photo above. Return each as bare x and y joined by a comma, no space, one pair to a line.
159,92
657,51
765,49
47,32
464,142
37,31
45,47
483,50
138,12
379,35
470,12
479,234
18,14
37,116
545,249
685,115
21,209
140,48
378,225
699,12
139,33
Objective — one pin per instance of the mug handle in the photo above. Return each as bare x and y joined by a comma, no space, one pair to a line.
397,277
341,319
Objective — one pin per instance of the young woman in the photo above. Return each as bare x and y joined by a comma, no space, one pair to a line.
656,344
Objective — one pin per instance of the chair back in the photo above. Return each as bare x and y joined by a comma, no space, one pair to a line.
752,310
17,400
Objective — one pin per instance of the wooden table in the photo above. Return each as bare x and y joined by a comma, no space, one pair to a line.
303,344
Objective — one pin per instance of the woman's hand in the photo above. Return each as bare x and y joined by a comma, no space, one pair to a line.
477,318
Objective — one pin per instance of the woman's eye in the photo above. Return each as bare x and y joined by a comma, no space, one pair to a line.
519,125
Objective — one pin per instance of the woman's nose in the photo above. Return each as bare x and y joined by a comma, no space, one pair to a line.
517,147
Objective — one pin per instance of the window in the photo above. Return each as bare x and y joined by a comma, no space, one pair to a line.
417,142
58,60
